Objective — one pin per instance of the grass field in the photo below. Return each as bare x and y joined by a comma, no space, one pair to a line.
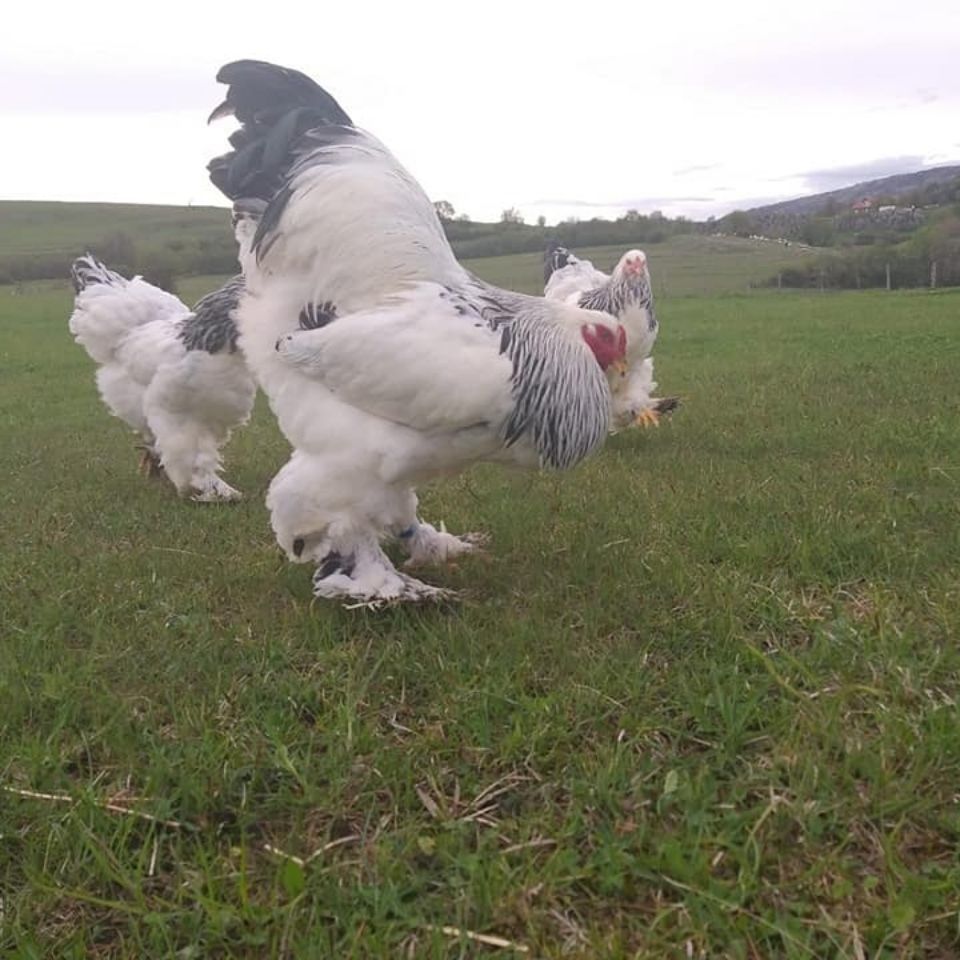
700,702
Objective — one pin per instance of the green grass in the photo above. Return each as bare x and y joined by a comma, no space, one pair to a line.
701,701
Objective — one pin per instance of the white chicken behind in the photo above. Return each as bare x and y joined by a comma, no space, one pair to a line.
628,295
171,373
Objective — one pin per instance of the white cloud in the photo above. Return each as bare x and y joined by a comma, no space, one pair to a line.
691,109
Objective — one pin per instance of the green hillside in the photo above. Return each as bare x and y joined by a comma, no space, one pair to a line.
44,227
38,239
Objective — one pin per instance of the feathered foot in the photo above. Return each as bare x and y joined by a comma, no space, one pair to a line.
647,418
215,490
149,465
428,545
367,578
650,416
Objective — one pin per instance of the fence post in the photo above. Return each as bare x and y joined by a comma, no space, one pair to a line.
933,274
888,276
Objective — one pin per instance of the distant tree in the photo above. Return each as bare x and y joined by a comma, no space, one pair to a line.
444,209
739,223
511,215
160,270
541,221
463,218
818,232
657,215
940,241
116,249
632,216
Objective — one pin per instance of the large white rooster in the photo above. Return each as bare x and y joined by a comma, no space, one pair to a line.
627,295
385,362
173,374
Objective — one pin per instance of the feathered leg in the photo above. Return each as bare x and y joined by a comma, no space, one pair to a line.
651,415
361,573
149,465
192,406
190,455
648,417
207,485
424,543
325,513
427,545
124,398
634,403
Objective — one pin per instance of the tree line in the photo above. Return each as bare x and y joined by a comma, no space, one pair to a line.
930,257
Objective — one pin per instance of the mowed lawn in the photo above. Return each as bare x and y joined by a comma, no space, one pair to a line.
699,701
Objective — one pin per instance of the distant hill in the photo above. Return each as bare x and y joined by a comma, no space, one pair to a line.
40,238
35,227
887,210
896,187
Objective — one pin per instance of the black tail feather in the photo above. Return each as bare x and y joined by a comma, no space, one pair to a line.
275,106
555,258
260,92
666,404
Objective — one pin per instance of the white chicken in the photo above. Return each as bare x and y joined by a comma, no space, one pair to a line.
627,295
385,362
173,374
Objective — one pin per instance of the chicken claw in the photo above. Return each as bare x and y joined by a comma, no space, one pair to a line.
647,418
428,545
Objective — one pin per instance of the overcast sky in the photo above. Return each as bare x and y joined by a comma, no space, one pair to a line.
688,108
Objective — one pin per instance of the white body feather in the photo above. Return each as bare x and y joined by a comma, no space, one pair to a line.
106,313
569,282
402,386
